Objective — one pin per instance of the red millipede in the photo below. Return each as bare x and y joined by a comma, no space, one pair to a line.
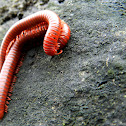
45,24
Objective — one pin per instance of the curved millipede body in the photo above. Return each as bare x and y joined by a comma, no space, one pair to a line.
45,24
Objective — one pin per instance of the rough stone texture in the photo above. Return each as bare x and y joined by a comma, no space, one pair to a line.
86,84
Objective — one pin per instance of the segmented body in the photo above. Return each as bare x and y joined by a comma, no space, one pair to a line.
44,23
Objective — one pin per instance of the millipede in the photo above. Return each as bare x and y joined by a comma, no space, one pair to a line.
46,24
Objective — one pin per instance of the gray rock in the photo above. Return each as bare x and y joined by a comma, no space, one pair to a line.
86,84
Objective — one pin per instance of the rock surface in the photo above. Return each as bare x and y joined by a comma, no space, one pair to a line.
86,84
